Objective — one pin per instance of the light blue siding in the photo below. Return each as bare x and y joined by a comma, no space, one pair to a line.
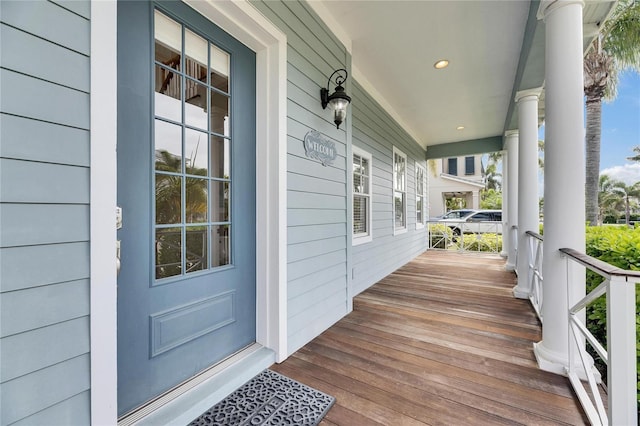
43,183
44,206
377,133
317,195
51,22
72,411
39,141
30,97
61,343
56,263
28,54
28,394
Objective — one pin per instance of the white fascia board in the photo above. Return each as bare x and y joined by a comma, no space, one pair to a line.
462,181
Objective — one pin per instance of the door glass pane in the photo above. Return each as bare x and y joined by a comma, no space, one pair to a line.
196,204
219,69
220,157
196,249
195,49
195,107
192,150
168,254
168,147
168,40
168,94
220,245
196,152
219,201
168,199
219,113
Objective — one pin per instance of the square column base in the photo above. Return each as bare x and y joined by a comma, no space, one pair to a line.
555,363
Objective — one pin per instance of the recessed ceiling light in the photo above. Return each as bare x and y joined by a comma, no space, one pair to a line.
442,63
460,128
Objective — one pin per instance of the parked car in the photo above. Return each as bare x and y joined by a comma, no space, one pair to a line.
468,221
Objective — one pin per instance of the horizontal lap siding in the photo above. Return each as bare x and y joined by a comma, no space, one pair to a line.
44,205
377,133
316,195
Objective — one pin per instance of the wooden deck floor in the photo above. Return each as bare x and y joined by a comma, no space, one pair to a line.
439,341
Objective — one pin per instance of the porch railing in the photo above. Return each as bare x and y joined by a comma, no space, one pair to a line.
465,237
619,355
534,260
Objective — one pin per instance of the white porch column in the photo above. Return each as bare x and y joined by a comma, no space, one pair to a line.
511,145
564,206
505,207
527,172
475,199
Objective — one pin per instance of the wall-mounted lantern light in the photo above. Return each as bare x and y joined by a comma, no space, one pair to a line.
338,100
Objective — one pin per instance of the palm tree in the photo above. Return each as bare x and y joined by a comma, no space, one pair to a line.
632,191
610,201
636,150
617,48
490,172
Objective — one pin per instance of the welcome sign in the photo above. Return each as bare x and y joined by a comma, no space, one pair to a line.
319,147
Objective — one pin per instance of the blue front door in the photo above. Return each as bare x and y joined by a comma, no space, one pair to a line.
186,184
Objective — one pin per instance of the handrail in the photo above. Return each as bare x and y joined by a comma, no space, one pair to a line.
597,265
535,235
620,353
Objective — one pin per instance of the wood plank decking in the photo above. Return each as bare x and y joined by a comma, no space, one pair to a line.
439,341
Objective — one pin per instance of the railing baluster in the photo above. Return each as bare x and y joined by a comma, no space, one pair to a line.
620,354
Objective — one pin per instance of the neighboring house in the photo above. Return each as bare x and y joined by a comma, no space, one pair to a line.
236,246
455,178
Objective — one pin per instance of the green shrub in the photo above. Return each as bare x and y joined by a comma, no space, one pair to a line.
618,246
480,242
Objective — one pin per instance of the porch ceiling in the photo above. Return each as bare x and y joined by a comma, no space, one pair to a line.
495,49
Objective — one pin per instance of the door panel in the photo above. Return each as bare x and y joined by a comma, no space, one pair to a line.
186,183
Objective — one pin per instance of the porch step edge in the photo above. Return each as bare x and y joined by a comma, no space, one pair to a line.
188,406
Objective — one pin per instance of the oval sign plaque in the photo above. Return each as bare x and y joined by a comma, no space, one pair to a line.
319,147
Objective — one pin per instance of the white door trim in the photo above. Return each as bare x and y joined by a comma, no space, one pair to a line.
103,320
245,23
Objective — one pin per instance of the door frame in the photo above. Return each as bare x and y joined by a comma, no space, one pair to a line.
242,21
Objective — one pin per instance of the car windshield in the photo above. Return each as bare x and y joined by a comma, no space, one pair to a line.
457,214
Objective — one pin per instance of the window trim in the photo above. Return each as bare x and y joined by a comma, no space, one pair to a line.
362,238
399,230
420,224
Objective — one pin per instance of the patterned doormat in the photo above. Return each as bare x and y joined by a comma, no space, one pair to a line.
269,399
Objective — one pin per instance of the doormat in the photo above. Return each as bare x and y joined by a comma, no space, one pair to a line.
269,399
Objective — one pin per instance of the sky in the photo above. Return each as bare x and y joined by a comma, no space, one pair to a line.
620,132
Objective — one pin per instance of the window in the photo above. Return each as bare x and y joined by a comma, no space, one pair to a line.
361,196
469,165
399,191
192,145
420,196
453,166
